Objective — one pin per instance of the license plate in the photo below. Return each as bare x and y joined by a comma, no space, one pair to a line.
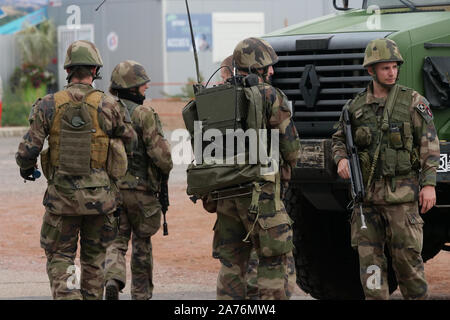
313,155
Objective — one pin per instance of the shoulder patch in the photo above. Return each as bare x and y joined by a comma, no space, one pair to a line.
358,113
423,108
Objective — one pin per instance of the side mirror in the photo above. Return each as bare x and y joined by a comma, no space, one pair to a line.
341,5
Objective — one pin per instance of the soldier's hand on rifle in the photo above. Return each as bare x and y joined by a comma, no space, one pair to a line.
427,198
343,170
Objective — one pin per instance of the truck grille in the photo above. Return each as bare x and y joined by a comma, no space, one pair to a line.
319,82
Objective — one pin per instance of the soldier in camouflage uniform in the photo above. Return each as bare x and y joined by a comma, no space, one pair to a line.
79,123
399,154
269,229
211,206
150,164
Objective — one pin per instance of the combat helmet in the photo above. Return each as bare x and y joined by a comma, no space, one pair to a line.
254,53
82,53
128,74
382,50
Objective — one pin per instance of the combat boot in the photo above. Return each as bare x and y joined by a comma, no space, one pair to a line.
112,290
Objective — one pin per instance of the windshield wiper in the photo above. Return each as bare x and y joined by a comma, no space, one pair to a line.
409,4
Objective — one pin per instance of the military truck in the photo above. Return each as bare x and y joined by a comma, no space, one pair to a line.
319,69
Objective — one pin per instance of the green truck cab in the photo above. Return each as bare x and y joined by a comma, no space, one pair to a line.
320,68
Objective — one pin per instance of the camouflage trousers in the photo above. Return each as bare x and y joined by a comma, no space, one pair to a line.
59,238
271,238
399,227
252,276
139,220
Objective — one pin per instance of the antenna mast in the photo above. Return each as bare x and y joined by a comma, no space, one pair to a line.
193,42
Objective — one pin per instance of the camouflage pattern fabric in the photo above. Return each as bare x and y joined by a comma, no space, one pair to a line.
74,204
139,220
141,214
74,195
271,233
425,139
280,118
271,238
399,227
382,50
254,53
59,238
391,203
252,276
128,74
82,53
150,133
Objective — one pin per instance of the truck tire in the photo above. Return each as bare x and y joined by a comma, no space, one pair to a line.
327,267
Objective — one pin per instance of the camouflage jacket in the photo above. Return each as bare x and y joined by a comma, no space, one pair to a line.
280,118
157,155
74,195
425,140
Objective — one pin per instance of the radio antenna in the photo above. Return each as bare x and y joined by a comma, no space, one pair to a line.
193,42
100,5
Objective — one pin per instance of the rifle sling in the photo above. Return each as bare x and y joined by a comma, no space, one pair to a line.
388,108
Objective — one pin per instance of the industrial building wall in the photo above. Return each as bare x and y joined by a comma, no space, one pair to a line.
140,31
135,26
276,14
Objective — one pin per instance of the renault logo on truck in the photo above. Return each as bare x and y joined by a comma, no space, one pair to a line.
309,85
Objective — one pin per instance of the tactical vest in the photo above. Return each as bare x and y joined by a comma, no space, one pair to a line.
397,155
141,170
77,142
246,109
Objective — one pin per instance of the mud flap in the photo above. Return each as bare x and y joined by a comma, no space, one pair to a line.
436,81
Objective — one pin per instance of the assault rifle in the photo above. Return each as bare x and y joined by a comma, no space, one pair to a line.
164,201
357,182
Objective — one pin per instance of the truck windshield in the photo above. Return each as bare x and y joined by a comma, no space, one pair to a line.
399,4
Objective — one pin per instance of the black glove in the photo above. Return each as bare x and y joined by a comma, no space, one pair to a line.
27,174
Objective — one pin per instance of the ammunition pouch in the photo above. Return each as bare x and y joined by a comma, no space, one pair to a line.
395,137
205,178
403,162
117,162
45,163
395,162
389,161
363,137
401,189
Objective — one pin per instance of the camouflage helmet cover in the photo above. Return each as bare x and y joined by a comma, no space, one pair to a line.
382,50
128,74
82,53
254,53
